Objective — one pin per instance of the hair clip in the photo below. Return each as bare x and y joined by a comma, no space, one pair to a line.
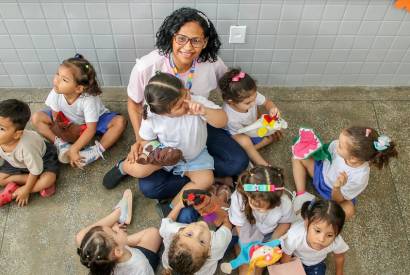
78,56
382,143
261,187
368,131
204,17
86,67
312,202
238,77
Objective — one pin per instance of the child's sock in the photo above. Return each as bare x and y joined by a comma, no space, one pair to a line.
92,153
62,148
121,167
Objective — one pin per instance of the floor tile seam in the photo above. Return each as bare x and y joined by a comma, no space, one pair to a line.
393,181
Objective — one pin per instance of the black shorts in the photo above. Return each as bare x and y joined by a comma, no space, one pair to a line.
152,257
50,163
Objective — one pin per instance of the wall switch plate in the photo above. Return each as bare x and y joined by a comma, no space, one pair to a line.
237,34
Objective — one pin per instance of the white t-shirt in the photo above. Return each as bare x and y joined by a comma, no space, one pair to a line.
295,243
238,120
138,264
266,222
187,133
85,109
220,240
357,177
205,78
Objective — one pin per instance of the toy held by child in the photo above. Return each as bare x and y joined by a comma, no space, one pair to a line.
255,254
347,175
105,248
76,114
316,236
30,164
192,248
241,99
309,144
154,153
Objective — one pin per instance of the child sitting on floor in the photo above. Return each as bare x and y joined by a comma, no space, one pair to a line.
30,164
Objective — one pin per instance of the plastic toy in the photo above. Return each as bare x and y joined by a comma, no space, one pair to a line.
154,153
256,254
264,126
403,4
309,144
209,206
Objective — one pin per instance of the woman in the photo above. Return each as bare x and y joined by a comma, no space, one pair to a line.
187,46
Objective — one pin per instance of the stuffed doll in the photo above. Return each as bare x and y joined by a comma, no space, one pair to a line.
154,153
208,205
264,126
65,129
255,254
309,144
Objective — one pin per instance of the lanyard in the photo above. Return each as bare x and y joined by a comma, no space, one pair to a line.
190,74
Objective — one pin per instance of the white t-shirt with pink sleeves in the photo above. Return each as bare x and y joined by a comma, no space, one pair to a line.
205,78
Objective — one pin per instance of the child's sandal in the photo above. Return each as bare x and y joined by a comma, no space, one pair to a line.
125,206
7,195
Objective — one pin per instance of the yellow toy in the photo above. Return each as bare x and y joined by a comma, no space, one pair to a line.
256,254
403,4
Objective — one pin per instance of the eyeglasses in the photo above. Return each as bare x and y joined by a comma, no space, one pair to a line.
196,42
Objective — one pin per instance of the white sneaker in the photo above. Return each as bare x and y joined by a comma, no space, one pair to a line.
299,200
62,149
91,154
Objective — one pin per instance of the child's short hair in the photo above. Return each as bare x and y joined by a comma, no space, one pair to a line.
363,146
95,251
176,20
261,175
236,85
17,111
84,74
323,210
161,93
181,259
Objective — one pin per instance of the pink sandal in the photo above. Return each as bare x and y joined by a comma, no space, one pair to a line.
48,192
7,195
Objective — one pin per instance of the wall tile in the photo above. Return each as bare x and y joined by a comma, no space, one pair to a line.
53,10
10,11
121,26
83,41
100,26
22,41
75,10
16,26
97,10
31,10
119,10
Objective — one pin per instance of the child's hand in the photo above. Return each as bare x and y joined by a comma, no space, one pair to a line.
136,150
75,158
22,195
274,112
341,180
195,108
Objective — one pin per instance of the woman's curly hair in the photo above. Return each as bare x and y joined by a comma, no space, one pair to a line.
176,20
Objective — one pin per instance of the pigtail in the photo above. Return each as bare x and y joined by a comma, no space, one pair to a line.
236,85
246,208
382,158
145,112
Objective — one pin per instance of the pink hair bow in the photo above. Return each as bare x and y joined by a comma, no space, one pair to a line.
238,77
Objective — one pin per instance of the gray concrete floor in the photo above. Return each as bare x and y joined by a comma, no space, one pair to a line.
39,239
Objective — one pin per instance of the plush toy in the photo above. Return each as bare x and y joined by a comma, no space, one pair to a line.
403,4
256,254
264,126
309,144
66,129
154,153
209,206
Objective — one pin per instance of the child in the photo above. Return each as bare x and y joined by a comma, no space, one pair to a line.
316,237
75,95
347,175
240,104
30,164
105,248
177,119
192,248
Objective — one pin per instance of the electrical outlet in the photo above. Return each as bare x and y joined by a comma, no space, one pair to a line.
237,34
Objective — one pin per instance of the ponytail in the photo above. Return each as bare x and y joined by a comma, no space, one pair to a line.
236,85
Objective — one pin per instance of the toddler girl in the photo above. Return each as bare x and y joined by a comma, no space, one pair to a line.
192,248
177,119
105,248
315,237
347,175
76,98
240,104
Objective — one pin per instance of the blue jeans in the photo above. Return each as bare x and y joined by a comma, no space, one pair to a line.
317,269
229,160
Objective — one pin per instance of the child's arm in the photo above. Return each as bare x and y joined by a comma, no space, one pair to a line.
280,230
173,215
285,258
337,195
215,117
339,263
271,108
23,193
83,140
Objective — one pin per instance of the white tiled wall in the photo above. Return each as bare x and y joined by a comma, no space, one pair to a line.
289,42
